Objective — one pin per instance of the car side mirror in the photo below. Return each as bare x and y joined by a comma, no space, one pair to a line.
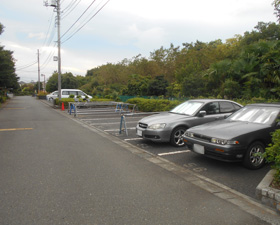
278,124
226,116
201,113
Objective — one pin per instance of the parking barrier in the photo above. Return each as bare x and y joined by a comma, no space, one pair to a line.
91,108
123,124
123,120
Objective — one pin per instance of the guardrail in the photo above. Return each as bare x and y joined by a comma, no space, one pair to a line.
97,107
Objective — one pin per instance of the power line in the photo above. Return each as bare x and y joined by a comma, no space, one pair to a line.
71,9
26,66
78,19
86,22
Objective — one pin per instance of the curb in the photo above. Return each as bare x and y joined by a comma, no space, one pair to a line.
267,195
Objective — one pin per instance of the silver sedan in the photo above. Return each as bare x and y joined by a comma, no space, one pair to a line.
170,126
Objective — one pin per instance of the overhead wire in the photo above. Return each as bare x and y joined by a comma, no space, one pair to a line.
26,66
45,44
69,6
67,12
77,19
86,22
50,35
48,59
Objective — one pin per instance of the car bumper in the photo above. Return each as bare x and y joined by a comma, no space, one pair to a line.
227,153
160,135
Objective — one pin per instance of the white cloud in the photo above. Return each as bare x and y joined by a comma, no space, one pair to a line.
38,36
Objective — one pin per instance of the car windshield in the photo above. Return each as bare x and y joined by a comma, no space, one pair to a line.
188,108
256,115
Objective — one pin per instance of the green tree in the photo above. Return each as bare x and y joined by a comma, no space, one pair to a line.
158,86
8,77
67,81
52,84
276,4
137,85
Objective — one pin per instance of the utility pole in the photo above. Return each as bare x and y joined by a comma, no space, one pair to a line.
38,56
56,5
58,46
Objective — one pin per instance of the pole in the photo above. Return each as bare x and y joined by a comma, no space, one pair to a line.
38,70
58,46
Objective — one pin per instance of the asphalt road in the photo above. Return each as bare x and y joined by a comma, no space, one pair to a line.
54,170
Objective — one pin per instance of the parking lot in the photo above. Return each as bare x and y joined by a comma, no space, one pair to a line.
233,175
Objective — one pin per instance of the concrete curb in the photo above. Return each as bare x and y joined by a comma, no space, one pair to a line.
268,195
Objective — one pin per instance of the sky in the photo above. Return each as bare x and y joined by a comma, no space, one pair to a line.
97,32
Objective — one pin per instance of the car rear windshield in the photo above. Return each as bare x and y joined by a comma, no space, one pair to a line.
187,108
256,115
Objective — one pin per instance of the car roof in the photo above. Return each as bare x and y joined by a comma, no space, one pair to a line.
210,100
275,104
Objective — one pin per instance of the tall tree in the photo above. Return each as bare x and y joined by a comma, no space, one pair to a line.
276,4
8,77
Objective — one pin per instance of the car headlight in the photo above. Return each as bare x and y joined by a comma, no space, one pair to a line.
189,134
223,141
157,126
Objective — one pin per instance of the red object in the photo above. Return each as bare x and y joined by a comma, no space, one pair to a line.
62,106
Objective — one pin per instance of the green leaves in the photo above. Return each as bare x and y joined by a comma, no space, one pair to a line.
272,154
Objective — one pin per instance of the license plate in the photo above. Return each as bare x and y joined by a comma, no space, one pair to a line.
139,133
198,149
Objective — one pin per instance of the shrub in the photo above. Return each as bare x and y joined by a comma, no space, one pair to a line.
153,105
2,99
42,93
272,154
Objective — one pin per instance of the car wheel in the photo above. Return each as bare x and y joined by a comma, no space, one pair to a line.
50,99
176,138
251,160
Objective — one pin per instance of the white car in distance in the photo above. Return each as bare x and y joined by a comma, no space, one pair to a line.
65,93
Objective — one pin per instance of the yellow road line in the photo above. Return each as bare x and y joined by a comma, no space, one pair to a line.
13,129
14,108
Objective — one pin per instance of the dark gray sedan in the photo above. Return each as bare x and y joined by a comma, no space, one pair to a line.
170,126
237,138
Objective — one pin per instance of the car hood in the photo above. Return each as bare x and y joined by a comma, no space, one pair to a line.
164,117
227,129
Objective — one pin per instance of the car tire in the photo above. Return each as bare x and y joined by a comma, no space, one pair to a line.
252,161
176,138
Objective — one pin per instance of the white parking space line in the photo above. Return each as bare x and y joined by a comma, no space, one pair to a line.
111,123
173,153
111,118
128,128
133,139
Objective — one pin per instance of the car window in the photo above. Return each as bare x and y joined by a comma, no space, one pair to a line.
81,93
73,93
65,92
188,108
256,115
227,107
236,107
211,108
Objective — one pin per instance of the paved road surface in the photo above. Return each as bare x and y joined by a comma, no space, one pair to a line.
55,171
